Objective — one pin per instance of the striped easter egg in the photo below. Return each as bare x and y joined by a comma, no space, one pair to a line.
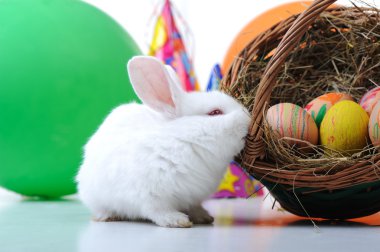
369,100
292,121
373,126
318,107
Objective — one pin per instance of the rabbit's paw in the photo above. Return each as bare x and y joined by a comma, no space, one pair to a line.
173,220
106,216
101,216
198,215
114,218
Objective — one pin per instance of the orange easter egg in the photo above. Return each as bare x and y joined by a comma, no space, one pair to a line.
318,107
369,100
373,126
290,120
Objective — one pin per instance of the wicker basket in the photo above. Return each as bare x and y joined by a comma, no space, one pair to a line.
350,192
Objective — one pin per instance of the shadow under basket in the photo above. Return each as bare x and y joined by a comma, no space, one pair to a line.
261,75
354,202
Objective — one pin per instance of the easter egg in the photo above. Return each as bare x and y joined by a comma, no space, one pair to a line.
373,126
369,99
318,107
345,127
290,120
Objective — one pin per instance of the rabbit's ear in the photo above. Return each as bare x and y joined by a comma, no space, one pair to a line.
155,84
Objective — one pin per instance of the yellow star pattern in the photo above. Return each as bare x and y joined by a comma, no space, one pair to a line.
228,181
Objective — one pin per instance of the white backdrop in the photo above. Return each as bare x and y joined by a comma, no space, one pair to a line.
214,24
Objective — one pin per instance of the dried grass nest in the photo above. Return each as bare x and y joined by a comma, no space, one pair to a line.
340,52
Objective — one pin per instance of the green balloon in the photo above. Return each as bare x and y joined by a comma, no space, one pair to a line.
62,70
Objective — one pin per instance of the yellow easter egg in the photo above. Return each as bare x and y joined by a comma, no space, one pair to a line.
373,126
345,127
318,107
292,121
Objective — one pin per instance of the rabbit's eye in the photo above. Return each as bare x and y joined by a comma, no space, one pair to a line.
215,112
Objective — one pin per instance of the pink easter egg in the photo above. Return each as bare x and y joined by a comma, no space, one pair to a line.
373,125
292,121
369,99
318,107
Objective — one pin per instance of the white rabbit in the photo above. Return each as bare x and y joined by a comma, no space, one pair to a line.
160,160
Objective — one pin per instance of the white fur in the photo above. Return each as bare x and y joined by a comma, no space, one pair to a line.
160,161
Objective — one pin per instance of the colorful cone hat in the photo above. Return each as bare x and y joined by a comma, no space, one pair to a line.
167,45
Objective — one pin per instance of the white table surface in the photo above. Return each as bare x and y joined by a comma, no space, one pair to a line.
240,225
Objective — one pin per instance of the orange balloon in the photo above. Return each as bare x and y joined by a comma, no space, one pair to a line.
260,24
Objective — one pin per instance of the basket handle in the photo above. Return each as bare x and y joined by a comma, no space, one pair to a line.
255,145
